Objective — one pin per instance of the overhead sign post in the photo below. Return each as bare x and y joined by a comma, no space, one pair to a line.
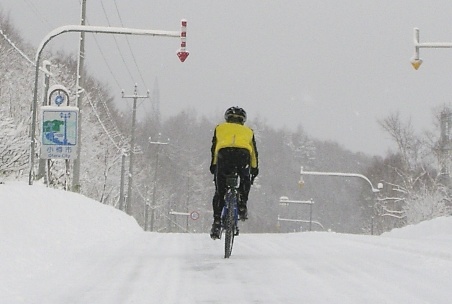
416,61
182,54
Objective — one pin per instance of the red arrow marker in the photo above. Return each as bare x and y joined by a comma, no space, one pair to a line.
182,55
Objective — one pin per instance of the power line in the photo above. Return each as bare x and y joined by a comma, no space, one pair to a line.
112,135
33,7
106,62
16,48
130,48
117,45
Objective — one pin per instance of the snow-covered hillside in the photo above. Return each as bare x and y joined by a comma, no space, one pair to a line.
60,247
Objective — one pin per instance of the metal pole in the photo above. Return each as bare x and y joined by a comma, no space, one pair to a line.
416,61
42,162
146,214
135,97
121,183
188,195
33,121
310,215
372,225
131,157
154,189
79,86
375,190
416,44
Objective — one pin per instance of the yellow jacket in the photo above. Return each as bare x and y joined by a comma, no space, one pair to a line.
234,135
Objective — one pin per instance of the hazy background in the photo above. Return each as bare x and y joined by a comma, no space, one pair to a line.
333,67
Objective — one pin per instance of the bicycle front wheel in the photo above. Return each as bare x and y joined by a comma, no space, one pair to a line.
230,227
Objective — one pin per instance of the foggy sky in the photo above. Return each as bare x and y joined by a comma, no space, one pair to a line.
333,67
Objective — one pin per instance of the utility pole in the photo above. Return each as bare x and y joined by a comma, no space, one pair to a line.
154,188
135,97
79,87
121,185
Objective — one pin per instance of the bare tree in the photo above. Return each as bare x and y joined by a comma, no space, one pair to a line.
13,146
413,189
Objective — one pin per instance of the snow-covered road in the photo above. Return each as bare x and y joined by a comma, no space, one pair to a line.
74,250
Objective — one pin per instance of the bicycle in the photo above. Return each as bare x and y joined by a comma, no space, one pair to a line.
229,214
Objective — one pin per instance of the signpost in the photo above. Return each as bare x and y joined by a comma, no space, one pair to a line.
284,201
194,215
416,61
59,123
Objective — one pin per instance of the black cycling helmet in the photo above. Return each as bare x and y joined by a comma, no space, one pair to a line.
235,114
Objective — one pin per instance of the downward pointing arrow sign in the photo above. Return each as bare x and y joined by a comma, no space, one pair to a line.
182,55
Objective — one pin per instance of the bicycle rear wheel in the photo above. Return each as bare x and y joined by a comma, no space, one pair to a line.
230,226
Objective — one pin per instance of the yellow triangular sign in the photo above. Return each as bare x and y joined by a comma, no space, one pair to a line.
416,63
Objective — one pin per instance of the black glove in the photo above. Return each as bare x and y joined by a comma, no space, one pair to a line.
213,168
254,172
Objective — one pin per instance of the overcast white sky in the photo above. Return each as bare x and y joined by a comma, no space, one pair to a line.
335,67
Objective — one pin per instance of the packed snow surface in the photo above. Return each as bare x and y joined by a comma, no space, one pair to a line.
61,247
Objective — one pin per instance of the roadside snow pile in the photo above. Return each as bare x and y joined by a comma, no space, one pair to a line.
45,232
55,222
42,212
438,228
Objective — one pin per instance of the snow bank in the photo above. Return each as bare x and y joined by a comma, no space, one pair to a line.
42,212
39,225
434,229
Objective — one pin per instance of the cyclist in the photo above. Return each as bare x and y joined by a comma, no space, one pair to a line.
233,146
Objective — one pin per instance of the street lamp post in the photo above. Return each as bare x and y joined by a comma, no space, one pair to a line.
182,54
374,190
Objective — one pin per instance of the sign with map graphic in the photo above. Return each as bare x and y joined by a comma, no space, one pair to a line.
59,132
